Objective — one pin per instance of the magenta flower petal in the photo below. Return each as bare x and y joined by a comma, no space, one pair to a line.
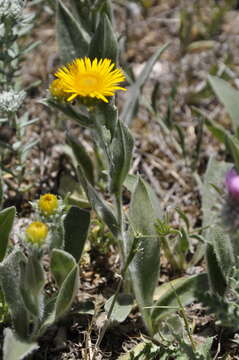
232,183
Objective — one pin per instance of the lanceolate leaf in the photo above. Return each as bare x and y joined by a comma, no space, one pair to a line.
6,222
130,184
15,349
99,205
232,144
10,283
216,129
69,111
135,89
144,268
82,157
228,96
61,265
220,254
104,43
76,224
122,307
216,278
122,149
223,249
82,13
67,292
215,175
73,40
107,8
31,285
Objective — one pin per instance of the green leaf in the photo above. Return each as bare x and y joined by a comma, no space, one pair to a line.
67,292
223,249
83,14
72,39
166,300
82,157
99,205
130,184
216,278
204,348
107,8
122,307
34,276
61,265
7,217
215,175
220,246
31,284
69,111
76,224
1,189
145,266
228,96
232,144
134,90
216,129
104,44
122,149
88,15
15,349
10,284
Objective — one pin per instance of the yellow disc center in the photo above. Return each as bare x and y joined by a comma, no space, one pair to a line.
89,83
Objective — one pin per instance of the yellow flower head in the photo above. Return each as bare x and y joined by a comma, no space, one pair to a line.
96,79
36,232
57,89
48,204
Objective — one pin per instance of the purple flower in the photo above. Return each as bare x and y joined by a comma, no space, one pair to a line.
232,183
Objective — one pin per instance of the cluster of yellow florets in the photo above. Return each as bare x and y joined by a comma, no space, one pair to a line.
48,204
87,78
37,231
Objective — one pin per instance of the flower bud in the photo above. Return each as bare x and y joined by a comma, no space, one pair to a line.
48,204
36,233
232,183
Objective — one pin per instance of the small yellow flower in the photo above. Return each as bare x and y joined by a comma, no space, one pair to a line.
147,3
57,89
48,204
36,232
86,78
